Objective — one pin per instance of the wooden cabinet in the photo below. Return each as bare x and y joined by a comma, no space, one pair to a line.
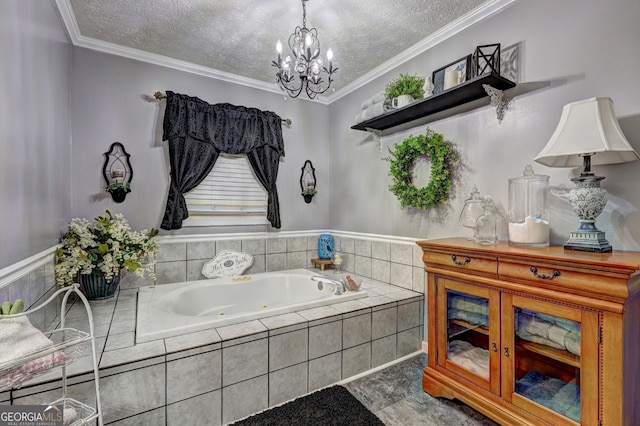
534,336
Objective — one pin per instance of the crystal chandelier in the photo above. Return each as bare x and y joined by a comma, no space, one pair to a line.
305,71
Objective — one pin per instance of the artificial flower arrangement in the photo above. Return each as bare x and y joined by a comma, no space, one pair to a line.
105,247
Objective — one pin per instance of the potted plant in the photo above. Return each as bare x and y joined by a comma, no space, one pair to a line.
118,191
96,253
406,84
308,195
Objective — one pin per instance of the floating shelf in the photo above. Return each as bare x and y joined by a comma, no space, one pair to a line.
463,93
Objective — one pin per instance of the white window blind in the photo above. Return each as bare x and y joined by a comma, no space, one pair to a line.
230,189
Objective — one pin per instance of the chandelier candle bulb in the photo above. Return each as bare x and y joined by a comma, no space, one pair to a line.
279,50
450,79
117,175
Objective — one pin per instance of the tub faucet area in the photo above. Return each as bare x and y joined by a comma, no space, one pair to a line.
338,286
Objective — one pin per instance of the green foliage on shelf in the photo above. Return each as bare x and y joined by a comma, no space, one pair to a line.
405,85
442,157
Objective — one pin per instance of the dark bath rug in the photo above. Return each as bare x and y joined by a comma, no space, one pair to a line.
330,406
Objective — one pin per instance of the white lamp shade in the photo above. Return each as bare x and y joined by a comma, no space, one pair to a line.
588,126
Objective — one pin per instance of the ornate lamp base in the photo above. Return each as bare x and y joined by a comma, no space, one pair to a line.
593,241
588,199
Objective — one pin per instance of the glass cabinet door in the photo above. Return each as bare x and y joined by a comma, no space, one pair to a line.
544,347
467,343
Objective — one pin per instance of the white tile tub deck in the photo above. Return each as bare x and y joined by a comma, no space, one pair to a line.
233,371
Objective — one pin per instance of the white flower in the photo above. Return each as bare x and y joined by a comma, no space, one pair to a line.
105,247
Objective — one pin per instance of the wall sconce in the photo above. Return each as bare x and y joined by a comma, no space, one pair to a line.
308,181
117,172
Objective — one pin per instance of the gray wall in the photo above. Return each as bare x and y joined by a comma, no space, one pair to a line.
581,48
35,141
108,104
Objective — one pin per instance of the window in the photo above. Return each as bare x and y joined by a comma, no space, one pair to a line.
229,195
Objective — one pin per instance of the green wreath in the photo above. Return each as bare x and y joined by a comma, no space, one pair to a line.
403,156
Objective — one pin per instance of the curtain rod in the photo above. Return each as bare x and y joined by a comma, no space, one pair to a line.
159,96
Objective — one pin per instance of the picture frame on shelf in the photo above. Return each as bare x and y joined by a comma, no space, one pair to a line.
486,59
510,62
451,74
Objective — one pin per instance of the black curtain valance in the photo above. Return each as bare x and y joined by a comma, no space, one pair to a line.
197,132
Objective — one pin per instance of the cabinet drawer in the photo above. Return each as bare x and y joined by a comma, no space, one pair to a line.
552,275
463,262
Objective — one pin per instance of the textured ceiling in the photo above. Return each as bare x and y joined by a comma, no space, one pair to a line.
238,36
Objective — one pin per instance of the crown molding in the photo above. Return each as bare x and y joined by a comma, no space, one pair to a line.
480,14
486,11
77,39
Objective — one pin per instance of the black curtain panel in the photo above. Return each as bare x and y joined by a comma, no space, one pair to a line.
264,161
191,161
197,132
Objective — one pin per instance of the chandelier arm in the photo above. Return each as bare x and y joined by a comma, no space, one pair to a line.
296,93
292,91
313,93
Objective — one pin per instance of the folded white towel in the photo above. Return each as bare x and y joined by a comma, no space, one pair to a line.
374,110
470,357
536,329
378,97
19,339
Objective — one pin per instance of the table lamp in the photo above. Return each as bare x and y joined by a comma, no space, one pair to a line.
588,134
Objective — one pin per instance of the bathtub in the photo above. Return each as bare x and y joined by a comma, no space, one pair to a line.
169,310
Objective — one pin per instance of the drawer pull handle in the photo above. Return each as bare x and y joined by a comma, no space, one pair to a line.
554,274
506,351
494,347
458,262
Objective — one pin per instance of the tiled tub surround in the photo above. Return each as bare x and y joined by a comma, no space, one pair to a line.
168,380
396,261
229,372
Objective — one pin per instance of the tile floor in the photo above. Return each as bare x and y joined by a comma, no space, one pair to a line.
395,395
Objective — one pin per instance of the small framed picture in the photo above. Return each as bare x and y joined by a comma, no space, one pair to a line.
452,74
510,62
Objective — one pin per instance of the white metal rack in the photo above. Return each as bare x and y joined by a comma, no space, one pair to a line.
69,344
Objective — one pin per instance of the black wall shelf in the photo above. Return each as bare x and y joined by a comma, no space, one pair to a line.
465,92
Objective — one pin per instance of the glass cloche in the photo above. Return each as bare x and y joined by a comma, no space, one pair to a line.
471,211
